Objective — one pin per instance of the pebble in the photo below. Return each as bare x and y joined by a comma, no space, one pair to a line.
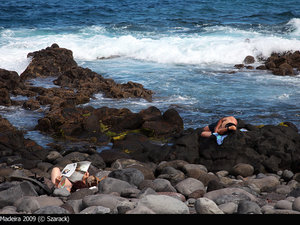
248,207
95,210
163,204
189,185
296,204
176,187
207,206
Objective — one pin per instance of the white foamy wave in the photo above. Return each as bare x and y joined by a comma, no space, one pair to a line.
227,46
284,96
136,105
295,24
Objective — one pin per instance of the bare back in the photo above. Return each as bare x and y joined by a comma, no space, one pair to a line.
226,120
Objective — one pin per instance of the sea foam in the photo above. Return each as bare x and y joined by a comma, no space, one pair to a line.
221,45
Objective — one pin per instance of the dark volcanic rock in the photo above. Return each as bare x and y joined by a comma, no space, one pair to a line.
283,64
59,62
9,82
105,124
52,61
270,148
249,59
16,149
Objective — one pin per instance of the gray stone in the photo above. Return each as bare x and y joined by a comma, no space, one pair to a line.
213,195
45,200
76,205
189,185
296,204
269,210
207,206
105,200
44,166
51,210
162,185
243,169
229,207
27,204
8,210
30,204
95,210
283,204
234,197
283,189
130,192
10,195
146,191
61,192
53,155
140,209
80,193
248,207
163,204
171,174
110,185
267,183
287,175
131,175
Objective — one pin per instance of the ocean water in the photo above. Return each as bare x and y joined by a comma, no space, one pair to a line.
183,50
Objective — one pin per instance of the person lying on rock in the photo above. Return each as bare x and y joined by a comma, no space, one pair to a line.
62,182
223,126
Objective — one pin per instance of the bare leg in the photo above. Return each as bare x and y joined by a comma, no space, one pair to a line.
206,132
56,177
55,174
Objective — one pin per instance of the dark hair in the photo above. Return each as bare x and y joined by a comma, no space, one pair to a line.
78,185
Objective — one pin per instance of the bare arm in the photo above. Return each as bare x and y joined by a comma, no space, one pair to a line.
218,125
225,130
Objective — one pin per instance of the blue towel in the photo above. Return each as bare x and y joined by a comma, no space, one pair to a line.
220,138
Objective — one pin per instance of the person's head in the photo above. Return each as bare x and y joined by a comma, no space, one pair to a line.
92,181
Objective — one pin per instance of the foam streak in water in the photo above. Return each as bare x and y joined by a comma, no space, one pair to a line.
217,45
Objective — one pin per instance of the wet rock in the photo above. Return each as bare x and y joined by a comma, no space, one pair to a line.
51,61
9,82
31,104
4,97
249,59
284,63
169,123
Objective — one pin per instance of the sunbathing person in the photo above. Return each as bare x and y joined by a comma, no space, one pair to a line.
62,182
223,126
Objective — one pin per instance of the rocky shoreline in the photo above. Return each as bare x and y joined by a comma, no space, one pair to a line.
154,166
